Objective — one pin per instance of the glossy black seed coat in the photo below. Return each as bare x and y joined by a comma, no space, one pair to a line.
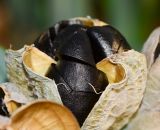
105,41
45,43
78,46
71,77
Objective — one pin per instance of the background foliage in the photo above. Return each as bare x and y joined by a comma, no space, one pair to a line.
21,21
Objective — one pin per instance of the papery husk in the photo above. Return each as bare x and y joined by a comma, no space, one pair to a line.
13,98
31,84
148,116
43,115
120,100
37,61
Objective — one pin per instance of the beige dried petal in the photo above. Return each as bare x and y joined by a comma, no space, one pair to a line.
43,115
120,100
148,116
31,84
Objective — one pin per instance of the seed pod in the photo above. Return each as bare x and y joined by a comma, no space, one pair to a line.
123,93
35,85
79,47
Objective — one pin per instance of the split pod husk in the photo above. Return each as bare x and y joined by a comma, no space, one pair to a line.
113,82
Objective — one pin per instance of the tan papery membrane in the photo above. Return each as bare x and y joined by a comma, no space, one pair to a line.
31,84
148,116
120,100
13,98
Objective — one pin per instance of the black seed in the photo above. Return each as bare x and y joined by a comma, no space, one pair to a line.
52,33
106,40
61,25
80,75
78,46
45,44
3,108
74,82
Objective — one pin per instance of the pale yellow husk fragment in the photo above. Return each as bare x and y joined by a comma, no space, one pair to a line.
31,84
148,116
13,98
120,100
38,61
88,21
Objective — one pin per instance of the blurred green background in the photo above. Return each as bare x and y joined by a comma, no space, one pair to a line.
23,20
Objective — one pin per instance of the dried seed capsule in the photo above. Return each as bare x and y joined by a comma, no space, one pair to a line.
77,47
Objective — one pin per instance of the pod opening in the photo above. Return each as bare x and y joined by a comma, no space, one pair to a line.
114,72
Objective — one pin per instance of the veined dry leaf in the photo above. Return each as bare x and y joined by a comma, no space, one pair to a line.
120,100
43,115
31,84
148,116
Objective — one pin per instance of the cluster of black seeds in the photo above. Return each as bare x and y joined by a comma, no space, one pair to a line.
77,48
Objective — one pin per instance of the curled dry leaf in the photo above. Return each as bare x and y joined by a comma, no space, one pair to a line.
148,116
43,115
31,84
11,98
122,97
